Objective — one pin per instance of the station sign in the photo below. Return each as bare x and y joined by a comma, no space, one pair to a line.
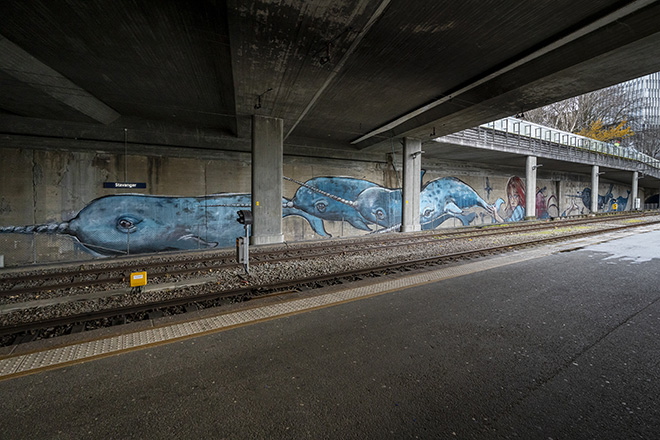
124,185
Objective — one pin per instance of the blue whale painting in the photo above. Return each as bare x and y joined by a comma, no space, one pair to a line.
381,207
448,197
359,202
332,198
117,224
364,204
605,202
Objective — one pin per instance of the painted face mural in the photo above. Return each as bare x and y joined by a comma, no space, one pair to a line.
546,207
117,224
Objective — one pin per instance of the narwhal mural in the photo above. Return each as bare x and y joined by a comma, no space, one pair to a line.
448,197
331,198
137,223
361,205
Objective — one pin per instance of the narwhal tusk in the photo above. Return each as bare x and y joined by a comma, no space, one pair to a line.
332,196
49,228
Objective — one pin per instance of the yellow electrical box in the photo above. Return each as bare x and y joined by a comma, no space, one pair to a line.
138,279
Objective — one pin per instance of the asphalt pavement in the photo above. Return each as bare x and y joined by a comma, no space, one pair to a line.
561,347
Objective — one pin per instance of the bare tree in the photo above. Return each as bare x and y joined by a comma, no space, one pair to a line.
647,141
610,106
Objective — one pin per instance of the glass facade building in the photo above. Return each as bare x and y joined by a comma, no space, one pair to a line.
645,93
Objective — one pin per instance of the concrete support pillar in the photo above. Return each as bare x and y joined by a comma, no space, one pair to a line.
267,153
530,189
594,189
412,170
560,197
635,190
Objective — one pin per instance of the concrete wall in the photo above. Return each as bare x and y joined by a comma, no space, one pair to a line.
190,202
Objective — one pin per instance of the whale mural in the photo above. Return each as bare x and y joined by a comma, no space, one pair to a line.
448,197
136,223
331,198
606,202
361,205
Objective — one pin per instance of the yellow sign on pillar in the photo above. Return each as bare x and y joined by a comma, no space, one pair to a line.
138,279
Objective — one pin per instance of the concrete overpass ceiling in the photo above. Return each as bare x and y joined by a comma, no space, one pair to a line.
342,73
414,55
157,60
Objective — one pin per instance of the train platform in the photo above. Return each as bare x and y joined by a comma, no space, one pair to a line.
555,342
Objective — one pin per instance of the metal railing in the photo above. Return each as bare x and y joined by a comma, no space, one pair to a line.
535,131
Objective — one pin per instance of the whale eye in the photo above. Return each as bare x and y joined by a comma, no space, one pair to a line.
428,212
380,214
127,224
321,206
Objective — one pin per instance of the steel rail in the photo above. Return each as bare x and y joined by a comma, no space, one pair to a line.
214,295
277,255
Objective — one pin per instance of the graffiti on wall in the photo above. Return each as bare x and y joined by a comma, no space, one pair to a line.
606,202
136,223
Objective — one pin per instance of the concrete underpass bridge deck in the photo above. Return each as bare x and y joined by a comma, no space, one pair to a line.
343,75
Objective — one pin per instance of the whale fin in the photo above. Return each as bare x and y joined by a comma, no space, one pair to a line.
440,220
358,223
316,223
466,219
200,241
453,208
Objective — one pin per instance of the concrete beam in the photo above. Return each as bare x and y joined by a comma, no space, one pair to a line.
411,123
267,159
22,66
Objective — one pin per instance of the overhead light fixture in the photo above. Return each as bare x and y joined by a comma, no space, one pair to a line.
257,106
324,59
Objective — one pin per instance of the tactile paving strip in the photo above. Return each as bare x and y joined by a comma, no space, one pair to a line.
22,364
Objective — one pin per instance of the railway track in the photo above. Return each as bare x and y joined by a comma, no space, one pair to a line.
115,275
212,294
